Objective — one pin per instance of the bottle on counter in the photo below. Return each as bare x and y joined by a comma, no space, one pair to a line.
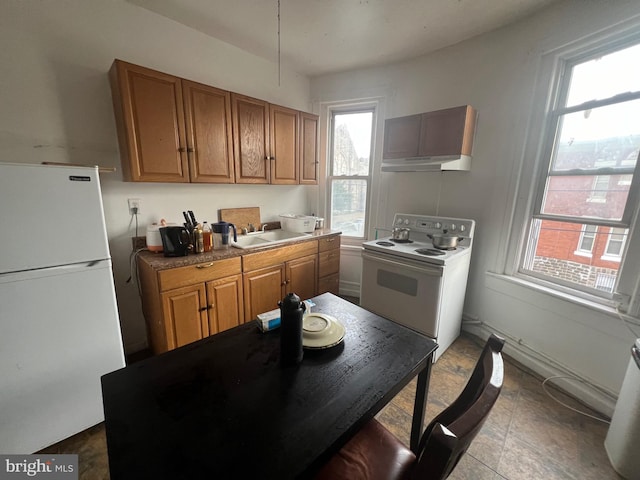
207,239
198,239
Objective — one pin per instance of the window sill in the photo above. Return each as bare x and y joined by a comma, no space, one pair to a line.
610,258
582,253
501,283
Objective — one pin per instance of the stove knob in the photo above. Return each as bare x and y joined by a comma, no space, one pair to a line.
406,221
453,226
399,221
462,228
438,225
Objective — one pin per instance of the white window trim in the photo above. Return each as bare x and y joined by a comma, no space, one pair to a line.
377,99
523,188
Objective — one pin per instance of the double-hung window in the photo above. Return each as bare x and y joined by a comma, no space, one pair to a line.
587,194
350,168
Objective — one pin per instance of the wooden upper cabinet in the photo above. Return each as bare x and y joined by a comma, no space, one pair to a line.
150,123
284,135
447,132
309,149
251,139
401,137
209,133
175,130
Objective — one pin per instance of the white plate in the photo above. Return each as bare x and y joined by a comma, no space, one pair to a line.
320,330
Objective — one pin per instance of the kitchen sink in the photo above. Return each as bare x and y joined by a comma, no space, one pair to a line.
265,239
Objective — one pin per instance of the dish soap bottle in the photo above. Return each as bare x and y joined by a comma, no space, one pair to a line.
291,312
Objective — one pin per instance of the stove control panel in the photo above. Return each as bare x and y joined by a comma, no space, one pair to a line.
427,224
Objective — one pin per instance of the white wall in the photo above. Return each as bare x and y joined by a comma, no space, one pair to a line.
496,74
56,106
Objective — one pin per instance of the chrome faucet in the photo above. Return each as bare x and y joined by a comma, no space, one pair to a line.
263,227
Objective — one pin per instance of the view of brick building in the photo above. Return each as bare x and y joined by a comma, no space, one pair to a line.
585,254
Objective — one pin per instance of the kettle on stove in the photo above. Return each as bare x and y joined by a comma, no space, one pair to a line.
220,235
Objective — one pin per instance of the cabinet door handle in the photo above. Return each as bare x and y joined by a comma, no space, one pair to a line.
181,149
208,307
205,266
331,239
191,149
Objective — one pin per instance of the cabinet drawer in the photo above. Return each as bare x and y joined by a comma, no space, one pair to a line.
202,272
329,243
328,263
268,258
330,283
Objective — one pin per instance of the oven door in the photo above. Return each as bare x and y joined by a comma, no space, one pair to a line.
407,292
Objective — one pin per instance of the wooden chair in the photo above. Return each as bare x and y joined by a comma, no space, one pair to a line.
375,453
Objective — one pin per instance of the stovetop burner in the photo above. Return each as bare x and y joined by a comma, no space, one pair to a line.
398,240
385,244
430,251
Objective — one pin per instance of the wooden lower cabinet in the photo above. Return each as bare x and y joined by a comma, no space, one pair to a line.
225,309
185,315
301,276
329,265
185,304
263,289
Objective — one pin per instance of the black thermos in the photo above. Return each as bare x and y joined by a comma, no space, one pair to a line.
291,311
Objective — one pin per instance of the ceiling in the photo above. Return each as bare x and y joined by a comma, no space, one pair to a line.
327,36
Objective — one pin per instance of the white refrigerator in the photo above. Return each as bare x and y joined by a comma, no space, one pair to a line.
59,325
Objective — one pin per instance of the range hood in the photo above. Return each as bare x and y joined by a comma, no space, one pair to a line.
427,164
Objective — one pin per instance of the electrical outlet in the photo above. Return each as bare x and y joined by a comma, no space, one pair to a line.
134,206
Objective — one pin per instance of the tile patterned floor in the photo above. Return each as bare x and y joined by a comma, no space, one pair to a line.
527,436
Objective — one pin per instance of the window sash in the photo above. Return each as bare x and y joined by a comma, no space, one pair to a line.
550,129
332,178
550,145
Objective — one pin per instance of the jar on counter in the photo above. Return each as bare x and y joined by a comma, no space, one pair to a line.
198,239
207,239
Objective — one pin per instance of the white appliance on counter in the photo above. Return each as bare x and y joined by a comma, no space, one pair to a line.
415,284
59,325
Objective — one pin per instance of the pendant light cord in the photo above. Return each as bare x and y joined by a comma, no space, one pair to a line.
279,63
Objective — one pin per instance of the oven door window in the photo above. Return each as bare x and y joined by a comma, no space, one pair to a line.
398,282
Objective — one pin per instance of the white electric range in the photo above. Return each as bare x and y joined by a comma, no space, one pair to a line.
415,284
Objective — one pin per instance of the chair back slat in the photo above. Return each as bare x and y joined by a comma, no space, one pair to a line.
450,433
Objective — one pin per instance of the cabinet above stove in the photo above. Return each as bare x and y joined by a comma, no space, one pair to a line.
431,141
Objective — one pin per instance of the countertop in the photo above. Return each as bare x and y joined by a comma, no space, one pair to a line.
158,261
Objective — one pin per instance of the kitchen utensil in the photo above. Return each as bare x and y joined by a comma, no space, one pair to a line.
220,235
319,223
444,241
193,219
400,233
175,241
154,240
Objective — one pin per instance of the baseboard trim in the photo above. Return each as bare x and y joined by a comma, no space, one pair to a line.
583,390
350,289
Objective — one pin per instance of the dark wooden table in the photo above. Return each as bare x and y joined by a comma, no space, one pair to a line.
224,407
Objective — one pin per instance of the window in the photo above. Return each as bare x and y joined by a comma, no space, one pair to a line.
615,242
587,238
350,170
586,195
600,189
